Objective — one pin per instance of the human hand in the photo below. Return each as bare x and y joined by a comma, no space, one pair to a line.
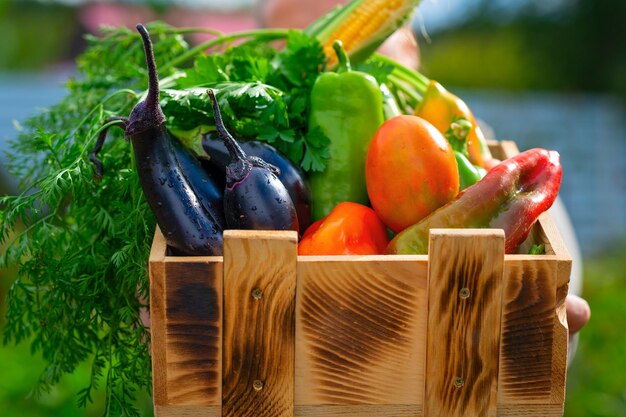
578,313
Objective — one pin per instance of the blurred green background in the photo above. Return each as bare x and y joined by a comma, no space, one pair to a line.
549,74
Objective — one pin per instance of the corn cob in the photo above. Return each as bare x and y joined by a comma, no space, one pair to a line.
362,26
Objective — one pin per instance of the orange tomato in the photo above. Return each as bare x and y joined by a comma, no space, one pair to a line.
410,171
440,107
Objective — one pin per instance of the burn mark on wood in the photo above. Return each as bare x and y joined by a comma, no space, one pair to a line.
359,325
527,335
191,397
464,273
258,355
194,302
463,331
193,312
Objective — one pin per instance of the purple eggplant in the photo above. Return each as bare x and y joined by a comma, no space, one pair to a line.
254,197
290,175
185,200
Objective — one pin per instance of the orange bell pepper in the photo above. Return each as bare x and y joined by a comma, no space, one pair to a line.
349,229
440,107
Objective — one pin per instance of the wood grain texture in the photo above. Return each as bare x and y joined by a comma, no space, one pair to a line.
530,410
548,274
369,410
526,374
157,319
360,333
463,338
259,326
187,411
560,346
194,337
185,314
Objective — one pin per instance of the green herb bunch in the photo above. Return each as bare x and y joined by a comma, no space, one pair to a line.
81,247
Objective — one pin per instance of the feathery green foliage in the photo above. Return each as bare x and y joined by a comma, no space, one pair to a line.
83,253
82,257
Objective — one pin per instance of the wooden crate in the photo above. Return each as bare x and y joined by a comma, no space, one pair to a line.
464,331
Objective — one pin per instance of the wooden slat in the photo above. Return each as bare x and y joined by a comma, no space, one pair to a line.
259,294
157,319
508,149
185,313
187,411
563,270
530,410
360,335
194,332
535,334
464,308
369,410
560,345
527,331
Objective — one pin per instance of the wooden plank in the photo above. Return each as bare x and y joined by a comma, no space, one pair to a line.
553,274
464,308
369,410
194,336
157,319
502,149
187,411
560,344
360,335
527,353
563,272
530,410
258,349
508,148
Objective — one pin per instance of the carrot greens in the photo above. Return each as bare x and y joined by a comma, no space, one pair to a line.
81,248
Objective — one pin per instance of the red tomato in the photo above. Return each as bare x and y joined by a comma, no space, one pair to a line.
349,229
410,171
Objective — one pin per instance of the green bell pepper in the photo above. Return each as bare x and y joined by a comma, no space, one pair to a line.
348,107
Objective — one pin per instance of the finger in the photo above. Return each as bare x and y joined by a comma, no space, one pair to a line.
578,313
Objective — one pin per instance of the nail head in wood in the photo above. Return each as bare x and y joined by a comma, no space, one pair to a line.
464,293
257,385
257,293
458,382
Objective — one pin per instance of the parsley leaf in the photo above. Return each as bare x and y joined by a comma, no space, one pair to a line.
263,94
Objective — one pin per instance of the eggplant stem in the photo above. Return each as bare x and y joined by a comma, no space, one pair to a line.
235,151
152,99
93,158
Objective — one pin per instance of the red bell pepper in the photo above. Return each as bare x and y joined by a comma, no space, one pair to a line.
349,229
510,197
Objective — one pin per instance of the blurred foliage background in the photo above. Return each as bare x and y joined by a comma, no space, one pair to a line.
566,46
496,53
